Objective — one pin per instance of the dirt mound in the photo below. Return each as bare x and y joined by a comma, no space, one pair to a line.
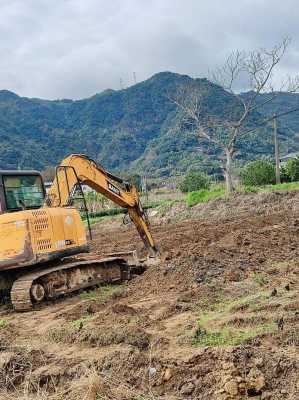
217,319
239,205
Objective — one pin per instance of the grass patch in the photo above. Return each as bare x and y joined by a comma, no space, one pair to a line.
215,327
281,186
229,336
104,293
203,196
3,323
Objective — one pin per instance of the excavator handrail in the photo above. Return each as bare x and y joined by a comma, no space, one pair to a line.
88,172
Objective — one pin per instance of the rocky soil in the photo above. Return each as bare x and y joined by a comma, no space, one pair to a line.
217,318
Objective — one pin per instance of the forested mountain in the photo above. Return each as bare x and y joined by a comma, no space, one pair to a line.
132,129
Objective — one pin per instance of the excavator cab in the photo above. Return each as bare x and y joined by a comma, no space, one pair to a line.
21,190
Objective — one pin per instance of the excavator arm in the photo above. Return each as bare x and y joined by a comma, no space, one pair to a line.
78,168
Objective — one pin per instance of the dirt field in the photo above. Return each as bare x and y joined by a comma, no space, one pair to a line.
217,318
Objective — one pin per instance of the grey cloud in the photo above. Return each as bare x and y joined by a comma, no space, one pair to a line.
75,48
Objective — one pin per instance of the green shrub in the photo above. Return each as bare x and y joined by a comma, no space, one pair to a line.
195,181
292,169
284,176
258,173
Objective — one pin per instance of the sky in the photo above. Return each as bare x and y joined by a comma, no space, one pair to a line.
58,49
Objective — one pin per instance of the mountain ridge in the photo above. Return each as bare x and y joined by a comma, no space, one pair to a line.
130,129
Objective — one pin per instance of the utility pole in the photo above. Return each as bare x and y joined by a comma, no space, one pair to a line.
134,78
276,146
144,186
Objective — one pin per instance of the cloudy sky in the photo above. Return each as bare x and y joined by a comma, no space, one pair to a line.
76,48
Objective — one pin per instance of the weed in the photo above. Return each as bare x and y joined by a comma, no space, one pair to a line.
90,295
61,335
104,293
281,265
259,279
79,323
3,323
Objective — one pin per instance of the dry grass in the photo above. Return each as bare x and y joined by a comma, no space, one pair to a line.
98,337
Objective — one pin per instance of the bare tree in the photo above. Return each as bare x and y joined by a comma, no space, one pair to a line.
253,71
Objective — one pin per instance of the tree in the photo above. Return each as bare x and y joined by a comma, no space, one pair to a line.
48,174
195,181
292,169
252,70
258,173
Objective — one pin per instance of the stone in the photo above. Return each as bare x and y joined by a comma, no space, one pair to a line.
152,371
167,374
258,362
187,388
228,365
231,387
226,378
266,395
5,358
255,379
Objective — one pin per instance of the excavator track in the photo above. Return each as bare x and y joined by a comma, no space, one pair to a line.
49,283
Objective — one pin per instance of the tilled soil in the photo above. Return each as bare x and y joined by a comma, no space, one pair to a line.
216,318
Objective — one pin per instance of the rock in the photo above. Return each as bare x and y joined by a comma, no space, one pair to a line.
266,395
152,371
231,387
255,379
168,374
5,358
228,365
226,378
258,362
187,388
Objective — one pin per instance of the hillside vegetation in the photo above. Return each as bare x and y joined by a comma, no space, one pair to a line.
132,129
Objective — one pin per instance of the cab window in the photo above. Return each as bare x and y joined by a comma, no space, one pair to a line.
22,192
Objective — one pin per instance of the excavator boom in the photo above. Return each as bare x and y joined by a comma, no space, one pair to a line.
78,169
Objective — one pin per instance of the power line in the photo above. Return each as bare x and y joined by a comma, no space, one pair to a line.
270,119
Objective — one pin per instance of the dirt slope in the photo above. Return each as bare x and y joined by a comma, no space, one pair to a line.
218,318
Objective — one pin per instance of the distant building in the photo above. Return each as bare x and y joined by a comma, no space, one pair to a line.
288,157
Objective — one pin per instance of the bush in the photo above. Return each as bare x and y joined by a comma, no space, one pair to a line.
195,181
292,169
258,173
284,177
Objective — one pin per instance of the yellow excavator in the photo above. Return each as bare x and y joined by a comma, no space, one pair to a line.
41,233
